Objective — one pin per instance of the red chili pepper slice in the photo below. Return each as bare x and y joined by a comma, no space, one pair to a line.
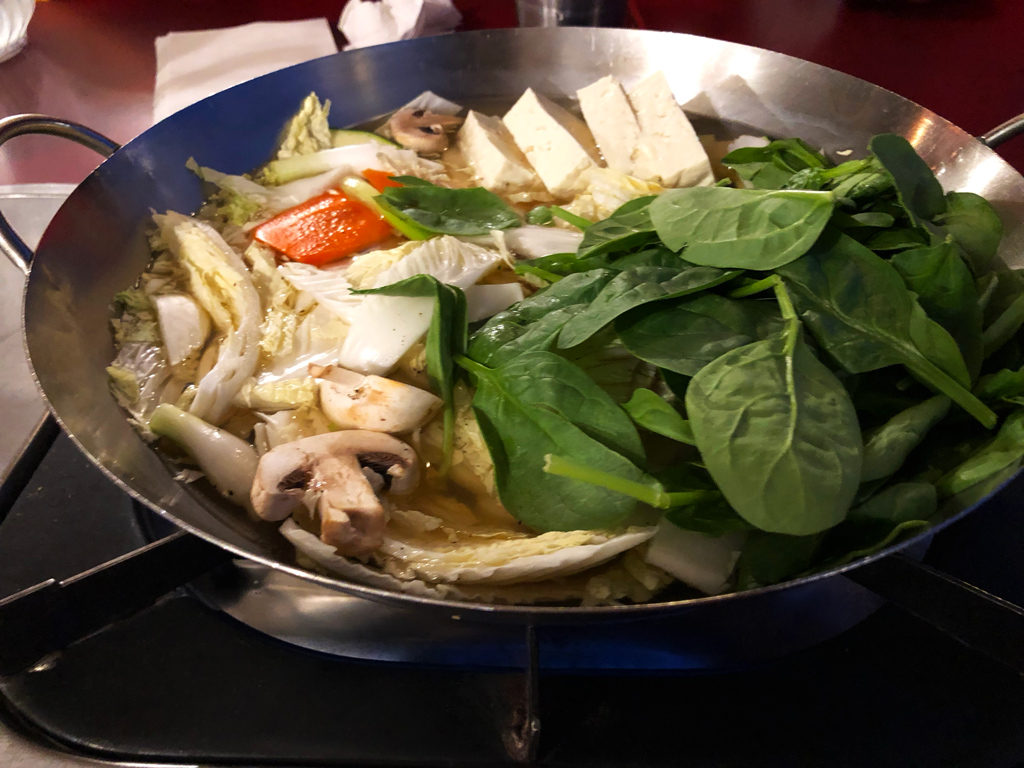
323,229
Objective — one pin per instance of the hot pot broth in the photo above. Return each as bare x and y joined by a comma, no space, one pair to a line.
606,537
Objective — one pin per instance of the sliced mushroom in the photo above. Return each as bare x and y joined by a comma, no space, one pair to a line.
422,131
355,401
346,471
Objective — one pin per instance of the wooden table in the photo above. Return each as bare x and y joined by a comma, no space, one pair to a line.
92,61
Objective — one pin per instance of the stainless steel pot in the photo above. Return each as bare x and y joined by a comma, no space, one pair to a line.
96,244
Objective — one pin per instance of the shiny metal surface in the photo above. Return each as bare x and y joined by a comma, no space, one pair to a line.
28,208
19,751
11,244
96,244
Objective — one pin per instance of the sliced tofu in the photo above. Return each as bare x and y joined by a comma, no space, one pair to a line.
557,144
611,120
669,151
489,149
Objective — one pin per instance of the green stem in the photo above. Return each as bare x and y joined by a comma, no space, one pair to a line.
651,493
789,316
577,221
1004,326
757,286
543,274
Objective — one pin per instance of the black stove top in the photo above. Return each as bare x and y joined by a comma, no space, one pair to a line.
183,683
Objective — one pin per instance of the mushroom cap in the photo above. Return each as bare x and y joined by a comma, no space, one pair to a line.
338,467
354,401
422,131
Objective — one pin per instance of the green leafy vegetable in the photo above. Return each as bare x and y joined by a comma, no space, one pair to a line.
465,212
946,291
886,448
860,311
446,338
628,227
773,165
534,323
975,226
647,489
880,521
651,411
918,189
778,433
1006,450
740,228
633,288
520,432
686,335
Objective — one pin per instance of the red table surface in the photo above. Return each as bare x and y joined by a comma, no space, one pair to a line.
93,61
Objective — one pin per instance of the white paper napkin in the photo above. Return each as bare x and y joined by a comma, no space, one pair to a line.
193,65
369,22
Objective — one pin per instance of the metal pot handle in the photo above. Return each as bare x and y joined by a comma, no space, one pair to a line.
11,245
1003,132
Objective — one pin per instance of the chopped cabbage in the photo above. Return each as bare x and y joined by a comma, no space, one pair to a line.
607,189
223,287
704,562
422,546
278,394
373,346
307,131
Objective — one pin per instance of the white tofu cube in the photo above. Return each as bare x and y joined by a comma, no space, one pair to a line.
488,148
557,144
610,118
669,151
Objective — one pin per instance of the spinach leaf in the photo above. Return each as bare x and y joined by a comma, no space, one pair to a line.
897,239
551,382
685,336
899,503
880,521
635,287
561,264
868,220
1004,327
778,433
606,360
1001,385
520,433
1005,450
446,338
466,212
740,228
946,291
712,517
919,191
651,411
860,311
534,322
975,226
771,166
865,187
886,448
770,558
627,228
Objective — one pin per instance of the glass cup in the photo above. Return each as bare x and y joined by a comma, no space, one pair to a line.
571,13
14,17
